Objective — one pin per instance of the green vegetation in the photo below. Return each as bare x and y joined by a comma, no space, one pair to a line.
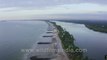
100,28
68,44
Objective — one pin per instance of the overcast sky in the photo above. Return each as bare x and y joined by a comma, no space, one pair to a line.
53,9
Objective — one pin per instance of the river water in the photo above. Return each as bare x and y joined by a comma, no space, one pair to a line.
18,35
94,42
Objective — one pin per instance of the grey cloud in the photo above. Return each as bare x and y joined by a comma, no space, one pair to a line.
27,3
44,3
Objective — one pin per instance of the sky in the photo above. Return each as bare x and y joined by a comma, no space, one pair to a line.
53,9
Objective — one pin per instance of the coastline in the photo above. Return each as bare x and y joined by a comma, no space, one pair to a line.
97,28
60,55
69,47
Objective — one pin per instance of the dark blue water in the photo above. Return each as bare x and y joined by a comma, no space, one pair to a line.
17,35
94,42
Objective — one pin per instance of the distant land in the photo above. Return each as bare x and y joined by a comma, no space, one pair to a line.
92,22
99,26
89,22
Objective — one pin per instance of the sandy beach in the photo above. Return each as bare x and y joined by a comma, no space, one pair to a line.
51,36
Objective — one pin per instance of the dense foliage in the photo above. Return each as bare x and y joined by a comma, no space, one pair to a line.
100,28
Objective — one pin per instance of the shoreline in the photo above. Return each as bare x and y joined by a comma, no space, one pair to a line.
61,55
57,45
97,28
67,41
